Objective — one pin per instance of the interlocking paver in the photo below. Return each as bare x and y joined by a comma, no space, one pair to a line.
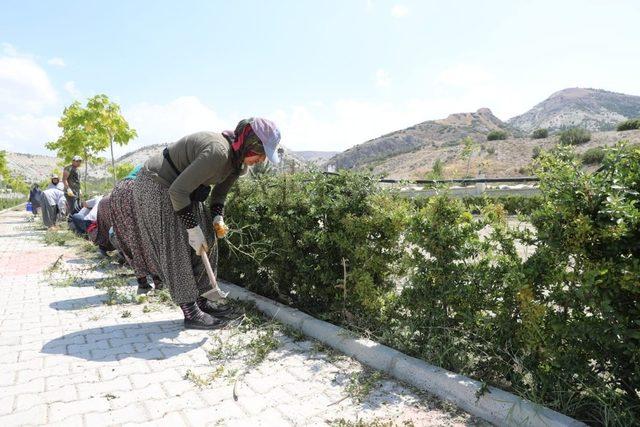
29,400
34,416
68,359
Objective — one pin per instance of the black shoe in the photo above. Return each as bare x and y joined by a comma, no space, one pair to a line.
144,289
205,322
157,283
221,311
143,285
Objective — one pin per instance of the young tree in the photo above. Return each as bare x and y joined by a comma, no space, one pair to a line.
121,170
109,125
15,182
467,151
90,130
4,169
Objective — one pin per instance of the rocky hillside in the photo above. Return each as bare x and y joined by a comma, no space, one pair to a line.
433,133
142,154
35,167
412,152
316,157
511,157
593,109
32,167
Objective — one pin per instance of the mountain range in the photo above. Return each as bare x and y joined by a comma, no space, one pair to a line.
412,152
592,109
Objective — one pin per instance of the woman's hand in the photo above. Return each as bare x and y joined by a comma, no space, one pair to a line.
197,240
220,227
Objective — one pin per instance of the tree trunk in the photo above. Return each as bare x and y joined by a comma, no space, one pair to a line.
86,166
113,164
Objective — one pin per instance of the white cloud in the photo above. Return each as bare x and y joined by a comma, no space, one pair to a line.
27,133
382,78
72,90
56,62
369,6
9,49
399,11
472,86
24,86
348,122
26,97
465,75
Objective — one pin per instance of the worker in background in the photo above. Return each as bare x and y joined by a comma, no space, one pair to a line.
71,182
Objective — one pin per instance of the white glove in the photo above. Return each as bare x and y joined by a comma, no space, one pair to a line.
220,227
197,240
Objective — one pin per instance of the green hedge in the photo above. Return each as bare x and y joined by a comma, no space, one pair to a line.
513,205
296,231
9,203
558,326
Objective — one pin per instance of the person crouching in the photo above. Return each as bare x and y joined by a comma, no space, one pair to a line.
169,193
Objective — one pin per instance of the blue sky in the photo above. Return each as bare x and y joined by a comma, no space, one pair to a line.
332,74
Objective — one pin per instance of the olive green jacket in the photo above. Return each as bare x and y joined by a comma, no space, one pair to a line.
205,158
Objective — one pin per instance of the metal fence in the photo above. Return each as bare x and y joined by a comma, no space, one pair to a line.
467,187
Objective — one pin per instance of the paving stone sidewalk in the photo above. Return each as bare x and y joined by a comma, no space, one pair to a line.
67,358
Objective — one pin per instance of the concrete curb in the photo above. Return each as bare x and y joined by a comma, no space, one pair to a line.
496,406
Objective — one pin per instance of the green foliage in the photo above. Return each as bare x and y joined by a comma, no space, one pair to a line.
90,130
458,302
574,136
496,135
18,185
513,205
293,238
58,237
593,156
362,383
491,151
261,345
261,168
9,203
540,133
437,171
121,170
15,183
469,145
559,326
630,124
585,276
536,152
4,168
